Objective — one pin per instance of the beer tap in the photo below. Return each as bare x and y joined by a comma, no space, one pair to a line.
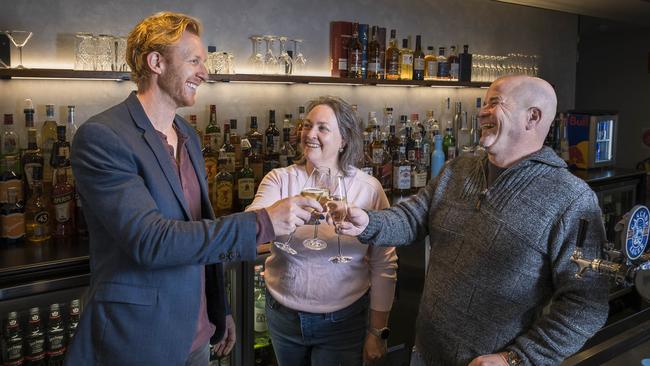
629,266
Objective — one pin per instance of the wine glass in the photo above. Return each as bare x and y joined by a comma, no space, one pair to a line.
257,58
19,39
284,60
318,188
337,208
270,61
299,60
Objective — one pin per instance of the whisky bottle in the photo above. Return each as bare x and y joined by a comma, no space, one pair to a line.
366,159
28,111
392,58
465,65
13,351
224,182
245,185
32,159
452,60
71,126
405,61
198,131
430,65
63,202
443,65
55,339
287,152
229,149
432,123
364,39
272,134
10,139
211,165
35,354
257,164
418,173
212,130
60,153
377,149
375,61
37,211
12,218
372,122
48,137
254,136
384,172
426,146
235,140
418,59
354,54
401,173
10,161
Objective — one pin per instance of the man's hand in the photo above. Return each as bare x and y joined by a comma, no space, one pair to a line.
374,349
228,341
496,359
286,214
355,222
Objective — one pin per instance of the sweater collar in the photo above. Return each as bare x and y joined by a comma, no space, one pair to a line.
545,155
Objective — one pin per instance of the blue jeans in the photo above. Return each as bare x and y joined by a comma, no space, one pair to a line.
329,339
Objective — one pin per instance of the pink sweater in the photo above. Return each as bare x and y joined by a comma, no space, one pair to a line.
308,281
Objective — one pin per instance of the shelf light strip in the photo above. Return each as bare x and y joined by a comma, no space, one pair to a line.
67,79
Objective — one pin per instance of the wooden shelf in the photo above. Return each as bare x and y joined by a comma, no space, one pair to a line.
238,78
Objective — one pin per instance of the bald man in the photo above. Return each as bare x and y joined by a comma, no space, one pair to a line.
502,226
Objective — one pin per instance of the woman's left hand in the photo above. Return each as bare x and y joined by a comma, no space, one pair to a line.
374,349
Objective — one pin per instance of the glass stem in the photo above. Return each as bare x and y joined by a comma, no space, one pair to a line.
338,238
316,230
20,52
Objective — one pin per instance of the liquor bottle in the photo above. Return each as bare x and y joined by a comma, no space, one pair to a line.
430,65
426,146
12,218
392,57
63,202
48,137
375,61
418,59
198,131
419,172
443,65
465,65
13,352
364,39
449,142
410,143
10,161
432,123
257,163
55,338
223,182
388,119
296,128
210,158
475,132
403,120
437,157
35,336
272,157
372,122
366,158
401,173
354,54
405,61
416,124
60,153
37,211
384,171
245,185
287,152
32,159
458,111
263,352
376,149
452,60
29,118
464,137
74,315
71,126
235,140
229,149
254,136
212,130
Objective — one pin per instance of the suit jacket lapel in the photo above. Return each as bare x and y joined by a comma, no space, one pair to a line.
162,154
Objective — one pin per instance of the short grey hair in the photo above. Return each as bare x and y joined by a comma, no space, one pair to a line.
349,127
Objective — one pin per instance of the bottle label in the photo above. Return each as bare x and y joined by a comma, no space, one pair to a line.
402,177
419,179
55,345
14,351
29,172
64,151
374,67
411,155
407,59
343,64
386,175
453,71
47,156
432,69
260,318
230,162
355,61
211,169
13,225
63,207
426,154
377,156
443,70
4,188
223,192
451,152
246,188
214,140
418,64
393,65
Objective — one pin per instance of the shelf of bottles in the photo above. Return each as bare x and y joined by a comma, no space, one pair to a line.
242,78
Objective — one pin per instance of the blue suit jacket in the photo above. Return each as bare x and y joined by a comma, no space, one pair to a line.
146,255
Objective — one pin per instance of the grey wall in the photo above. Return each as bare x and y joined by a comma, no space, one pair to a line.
488,27
613,73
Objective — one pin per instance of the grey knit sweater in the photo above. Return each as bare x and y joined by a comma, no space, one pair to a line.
498,256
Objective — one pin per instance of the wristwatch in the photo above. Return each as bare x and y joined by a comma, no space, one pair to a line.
381,333
512,358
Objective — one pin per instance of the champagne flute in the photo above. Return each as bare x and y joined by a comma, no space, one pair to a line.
19,39
318,188
337,208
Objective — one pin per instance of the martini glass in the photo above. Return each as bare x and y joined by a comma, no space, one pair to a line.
19,39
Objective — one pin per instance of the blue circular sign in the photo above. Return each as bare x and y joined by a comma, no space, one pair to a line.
636,234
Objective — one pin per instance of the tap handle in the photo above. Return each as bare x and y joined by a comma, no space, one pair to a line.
582,233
